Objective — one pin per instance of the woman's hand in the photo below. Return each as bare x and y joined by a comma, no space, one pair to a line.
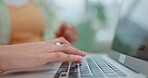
68,32
35,54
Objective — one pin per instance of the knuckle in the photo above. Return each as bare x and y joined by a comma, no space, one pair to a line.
76,50
58,55
69,58
65,40
62,38
65,46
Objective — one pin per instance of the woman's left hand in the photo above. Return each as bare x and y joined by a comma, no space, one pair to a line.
68,32
35,54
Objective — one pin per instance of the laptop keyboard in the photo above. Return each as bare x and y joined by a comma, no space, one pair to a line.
89,68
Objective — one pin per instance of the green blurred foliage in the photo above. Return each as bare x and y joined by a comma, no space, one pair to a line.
86,41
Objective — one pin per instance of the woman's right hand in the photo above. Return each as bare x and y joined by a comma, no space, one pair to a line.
35,54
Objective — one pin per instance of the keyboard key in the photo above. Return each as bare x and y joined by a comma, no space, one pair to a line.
92,68
111,74
98,75
65,64
123,75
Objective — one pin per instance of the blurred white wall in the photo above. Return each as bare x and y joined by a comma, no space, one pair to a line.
71,11
77,11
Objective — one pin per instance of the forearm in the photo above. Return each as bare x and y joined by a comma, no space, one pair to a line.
3,48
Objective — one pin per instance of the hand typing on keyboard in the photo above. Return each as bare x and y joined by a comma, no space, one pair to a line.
28,55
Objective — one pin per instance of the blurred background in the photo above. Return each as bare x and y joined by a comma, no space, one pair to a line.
95,21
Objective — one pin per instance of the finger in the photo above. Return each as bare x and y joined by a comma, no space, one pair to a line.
70,30
65,27
70,50
60,56
67,35
60,30
58,33
61,40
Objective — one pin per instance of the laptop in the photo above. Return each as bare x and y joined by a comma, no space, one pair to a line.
128,57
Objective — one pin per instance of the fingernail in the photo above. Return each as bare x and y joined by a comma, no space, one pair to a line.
77,57
84,53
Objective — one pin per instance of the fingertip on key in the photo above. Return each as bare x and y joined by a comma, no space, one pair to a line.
84,53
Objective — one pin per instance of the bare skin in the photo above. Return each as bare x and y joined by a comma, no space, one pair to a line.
68,32
36,54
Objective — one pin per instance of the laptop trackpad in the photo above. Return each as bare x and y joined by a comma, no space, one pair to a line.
46,71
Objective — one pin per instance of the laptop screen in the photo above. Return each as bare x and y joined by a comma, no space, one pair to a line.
131,37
